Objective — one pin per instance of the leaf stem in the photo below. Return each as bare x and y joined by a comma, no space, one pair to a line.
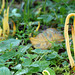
43,55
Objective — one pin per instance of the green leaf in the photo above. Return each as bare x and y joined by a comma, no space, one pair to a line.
62,10
34,65
5,71
53,56
31,56
42,65
33,70
17,67
46,18
56,0
49,3
64,63
22,71
24,48
26,61
39,51
8,44
8,55
14,13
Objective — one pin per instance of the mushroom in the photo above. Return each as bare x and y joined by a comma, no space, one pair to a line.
67,38
3,5
38,27
6,30
14,27
5,23
0,31
45,71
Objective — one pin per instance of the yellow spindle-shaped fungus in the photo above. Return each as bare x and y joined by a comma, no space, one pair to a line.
3,5
0,31
38,27
67,38
14,28
5,31
45,71
5,23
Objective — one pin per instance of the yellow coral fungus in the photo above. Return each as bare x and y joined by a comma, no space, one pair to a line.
6,29
5,23
14,28
67,38
38,27
45,71
0,31
3,5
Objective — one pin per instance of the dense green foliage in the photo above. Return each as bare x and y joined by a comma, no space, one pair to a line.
18,57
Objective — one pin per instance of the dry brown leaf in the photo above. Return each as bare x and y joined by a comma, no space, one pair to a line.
43,40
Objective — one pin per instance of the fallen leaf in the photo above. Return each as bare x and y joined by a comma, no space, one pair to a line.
44,40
